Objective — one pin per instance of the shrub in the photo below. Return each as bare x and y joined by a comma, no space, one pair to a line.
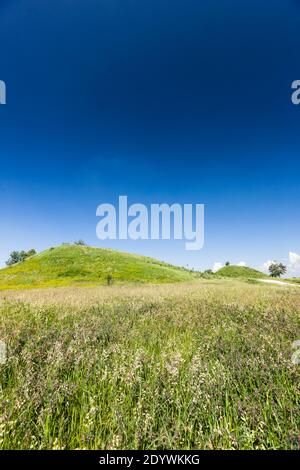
19,256
208,271
80,242
109,279
30,253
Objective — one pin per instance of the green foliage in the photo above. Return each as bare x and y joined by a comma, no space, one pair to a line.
227,263
277,269
14,257
19,256
109,279
31,252
80,242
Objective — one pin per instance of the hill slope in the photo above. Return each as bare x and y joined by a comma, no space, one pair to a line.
73,264
240,271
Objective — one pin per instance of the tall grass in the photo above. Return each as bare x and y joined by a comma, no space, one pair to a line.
206,365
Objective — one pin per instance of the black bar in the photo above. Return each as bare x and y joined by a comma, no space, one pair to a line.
135,459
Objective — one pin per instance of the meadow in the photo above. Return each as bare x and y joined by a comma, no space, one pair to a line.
204,364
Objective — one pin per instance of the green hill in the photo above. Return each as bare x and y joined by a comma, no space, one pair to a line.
240,271
72,264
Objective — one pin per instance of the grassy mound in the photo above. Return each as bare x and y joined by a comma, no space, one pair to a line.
240,271
72,264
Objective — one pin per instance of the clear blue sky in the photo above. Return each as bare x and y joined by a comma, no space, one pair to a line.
164,101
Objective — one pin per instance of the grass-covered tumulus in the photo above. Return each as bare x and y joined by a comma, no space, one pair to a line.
82,265
201,365
240,272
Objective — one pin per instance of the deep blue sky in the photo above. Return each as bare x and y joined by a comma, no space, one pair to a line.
164,101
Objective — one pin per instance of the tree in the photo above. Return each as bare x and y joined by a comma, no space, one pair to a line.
19,256
14,257
277,269
227,263
80,242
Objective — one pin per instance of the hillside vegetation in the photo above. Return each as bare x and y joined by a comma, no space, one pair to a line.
81,265
240,272
295,280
